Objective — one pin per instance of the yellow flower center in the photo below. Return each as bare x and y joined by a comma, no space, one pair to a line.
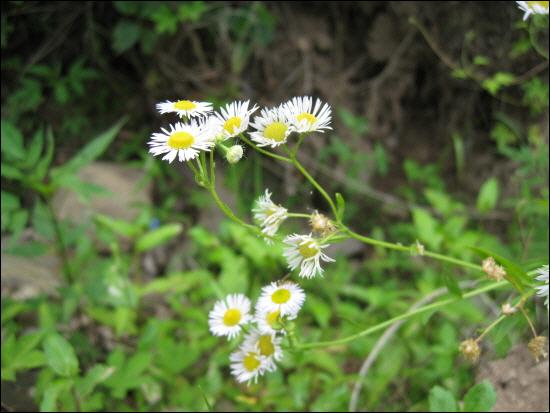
532,4
251,362
276,131
266,345
232,124
180,140
232,317
281,296
308,250
184,105
273,317
307,116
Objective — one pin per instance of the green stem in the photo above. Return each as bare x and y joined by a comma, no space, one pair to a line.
313,182
263,151
298,215
421,310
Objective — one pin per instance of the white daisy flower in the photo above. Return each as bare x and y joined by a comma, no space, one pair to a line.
183,140
308,118
185,108
229,315
533,7
304,251
269,215
287,298
267,345
272,127
234,118
247,364
542,290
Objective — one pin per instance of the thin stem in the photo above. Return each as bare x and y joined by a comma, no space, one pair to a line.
490,327
263,151
528,320
313,182
405,316
298,215
229,213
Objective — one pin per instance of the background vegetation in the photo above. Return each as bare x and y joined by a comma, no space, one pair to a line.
440,134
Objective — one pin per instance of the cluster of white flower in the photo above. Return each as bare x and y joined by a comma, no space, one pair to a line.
203,128
533,7
261,346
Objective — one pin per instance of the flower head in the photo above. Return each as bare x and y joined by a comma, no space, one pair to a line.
234,118
272,127
305,252
306,117
533,7
183,140
537,347
247,364
470,350
287,298
267,345
268,214
494,271
185,108
228,315
542,290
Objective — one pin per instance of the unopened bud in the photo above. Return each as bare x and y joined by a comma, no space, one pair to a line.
234,154
470,350
494,271
507,309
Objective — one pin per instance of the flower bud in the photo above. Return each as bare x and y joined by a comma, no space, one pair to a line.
234,154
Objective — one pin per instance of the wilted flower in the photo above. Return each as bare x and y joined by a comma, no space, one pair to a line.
470,350
537,347
494,271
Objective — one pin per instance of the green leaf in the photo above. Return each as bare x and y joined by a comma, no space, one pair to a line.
118,226
51,394
60,355
12,141
89,153
340,205
452,284
125,35
426,227
41,168
442,400
191,11
158,237
488,195
11,172
480,398
498,81
481,60
34,149
93,377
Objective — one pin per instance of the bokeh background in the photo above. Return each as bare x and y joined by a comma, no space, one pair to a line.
440,134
